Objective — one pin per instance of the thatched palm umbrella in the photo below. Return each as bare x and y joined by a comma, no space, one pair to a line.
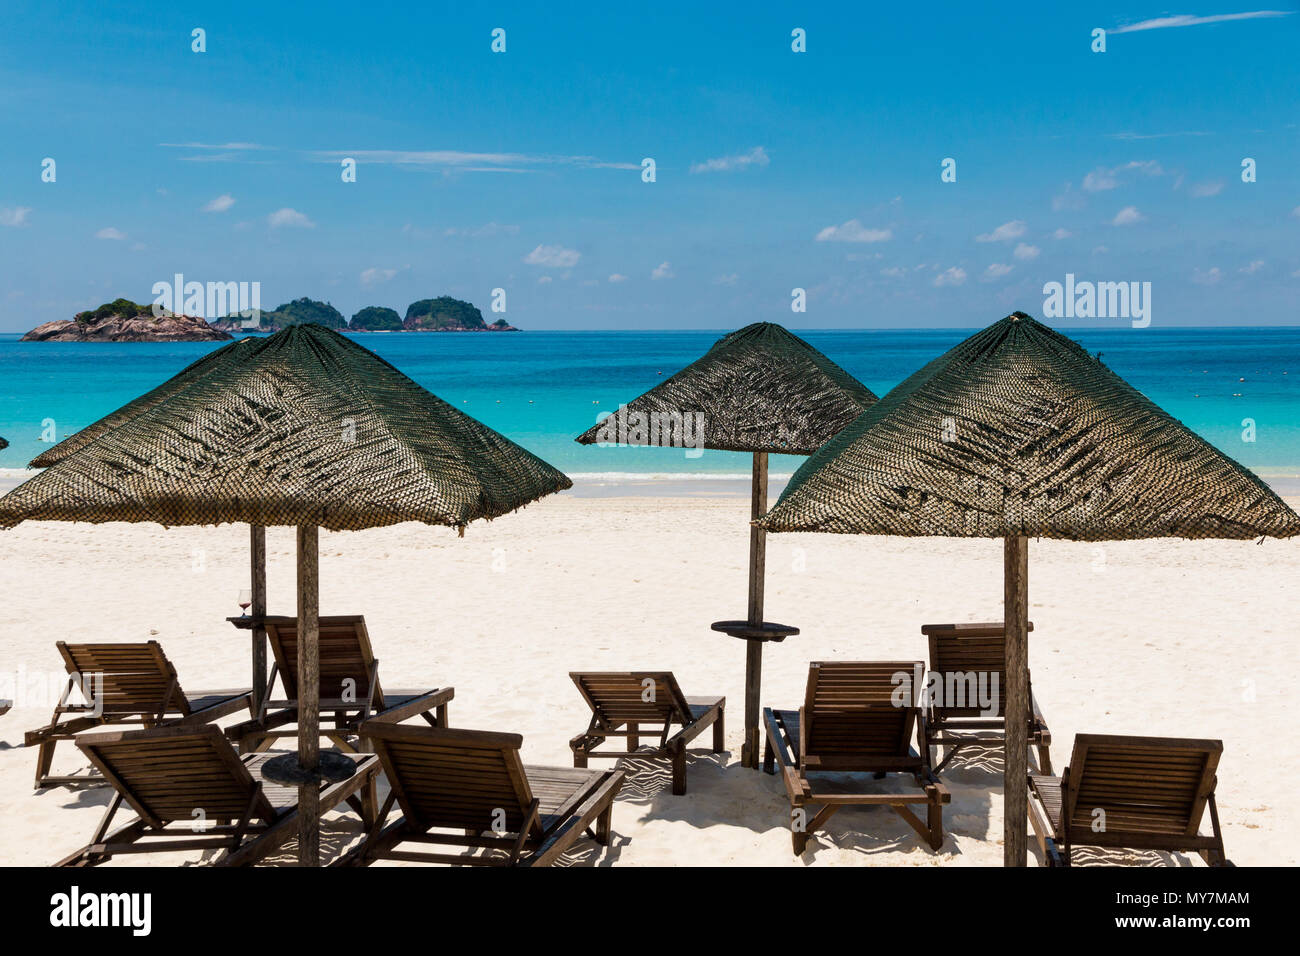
3,444
1016,433
257,533
761,390
304,428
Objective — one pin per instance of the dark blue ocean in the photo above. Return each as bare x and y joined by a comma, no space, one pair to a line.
543,388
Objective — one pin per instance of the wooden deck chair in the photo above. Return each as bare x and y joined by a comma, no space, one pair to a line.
350,691
958,651
629,704
473,782
191,791
130,684
851,722
1139,793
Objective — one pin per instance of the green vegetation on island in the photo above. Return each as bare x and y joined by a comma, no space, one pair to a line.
376,318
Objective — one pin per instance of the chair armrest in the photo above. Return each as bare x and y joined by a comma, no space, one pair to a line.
416,705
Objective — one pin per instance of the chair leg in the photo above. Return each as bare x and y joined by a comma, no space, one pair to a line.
579,757
935,823
679,771
719,735
604,823
1045,759
633,741
44,759
769,757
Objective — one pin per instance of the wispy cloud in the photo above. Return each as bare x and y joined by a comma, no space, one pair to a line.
463,160
853,231
617,277
553,257
1127,216
15,216
952,276
1008,230
220,204
1103,178
376,275
1191,20
1062,234
995,271
725,164
662,271
241,147
289,217
1251,268
108,232
485,231
1025,252
1201,190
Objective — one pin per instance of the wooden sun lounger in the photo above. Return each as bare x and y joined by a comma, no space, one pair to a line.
191,791
631,703
849,723
350,691
1139,793
139,686
978,649
474,782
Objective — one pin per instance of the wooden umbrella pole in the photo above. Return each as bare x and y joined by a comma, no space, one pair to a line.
308,693
1015,700
257,554
754,649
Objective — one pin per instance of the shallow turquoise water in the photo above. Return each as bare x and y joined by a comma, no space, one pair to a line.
542,388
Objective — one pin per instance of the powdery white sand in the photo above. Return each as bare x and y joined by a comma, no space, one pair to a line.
1161,637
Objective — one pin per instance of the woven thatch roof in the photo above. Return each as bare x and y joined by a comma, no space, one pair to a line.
759,388
304,427
1019,431
182,379
3,444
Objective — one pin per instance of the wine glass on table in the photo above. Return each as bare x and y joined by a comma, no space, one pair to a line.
245,599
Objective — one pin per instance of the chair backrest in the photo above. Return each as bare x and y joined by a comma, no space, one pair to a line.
167,773
127,679
851,710
1145,785
962,653
345,655
453,778
638,697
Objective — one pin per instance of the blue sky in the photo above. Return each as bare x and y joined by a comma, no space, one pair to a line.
775,169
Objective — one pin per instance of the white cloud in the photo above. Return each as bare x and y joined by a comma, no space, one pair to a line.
373,275
553,257
853,231
1068,199
464,160
996,271
662,271
1201,190
1025,252
951,276
617,277
545,280
1252,268
728,279
1127,216
1062,234
1190,20
1008,230
725,164
289,217
17,216
220,204
108,232
1100,250
1207,276
894,272
1102,178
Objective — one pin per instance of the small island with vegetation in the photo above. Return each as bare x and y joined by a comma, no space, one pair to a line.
125,321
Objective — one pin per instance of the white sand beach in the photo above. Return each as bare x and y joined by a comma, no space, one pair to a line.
1179,638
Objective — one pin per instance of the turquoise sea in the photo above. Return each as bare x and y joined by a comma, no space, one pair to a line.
543,388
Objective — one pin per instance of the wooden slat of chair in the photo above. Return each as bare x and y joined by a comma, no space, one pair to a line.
1145,793
619,709
475,782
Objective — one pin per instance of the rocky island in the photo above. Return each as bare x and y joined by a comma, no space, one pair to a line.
445,314
125,321
297,312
